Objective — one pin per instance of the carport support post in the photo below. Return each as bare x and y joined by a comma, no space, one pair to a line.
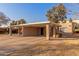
10,31
18,31
54,32
22,30
47,32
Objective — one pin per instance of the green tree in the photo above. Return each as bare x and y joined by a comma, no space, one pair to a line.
57,13
21,21
14,22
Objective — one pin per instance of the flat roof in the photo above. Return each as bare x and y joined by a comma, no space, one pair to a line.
36,24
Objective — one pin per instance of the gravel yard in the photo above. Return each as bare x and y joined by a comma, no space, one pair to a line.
37,46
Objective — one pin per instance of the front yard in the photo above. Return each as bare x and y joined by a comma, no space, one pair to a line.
37,46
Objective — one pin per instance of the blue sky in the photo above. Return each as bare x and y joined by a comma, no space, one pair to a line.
33,12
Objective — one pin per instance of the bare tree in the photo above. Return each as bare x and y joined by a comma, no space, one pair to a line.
3,18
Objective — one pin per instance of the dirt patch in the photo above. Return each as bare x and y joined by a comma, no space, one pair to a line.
37,46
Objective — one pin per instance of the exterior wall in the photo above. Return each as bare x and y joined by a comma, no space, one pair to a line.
32,31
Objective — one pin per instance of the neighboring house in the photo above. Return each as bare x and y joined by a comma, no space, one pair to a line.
66,27
4,27
76,26
69,27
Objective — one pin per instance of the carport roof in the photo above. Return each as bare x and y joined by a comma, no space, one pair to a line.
37,24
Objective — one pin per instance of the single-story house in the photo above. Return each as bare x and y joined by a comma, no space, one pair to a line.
46,29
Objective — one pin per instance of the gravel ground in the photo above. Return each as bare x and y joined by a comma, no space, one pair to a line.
37,46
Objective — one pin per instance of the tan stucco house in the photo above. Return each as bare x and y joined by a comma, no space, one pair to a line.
46,29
